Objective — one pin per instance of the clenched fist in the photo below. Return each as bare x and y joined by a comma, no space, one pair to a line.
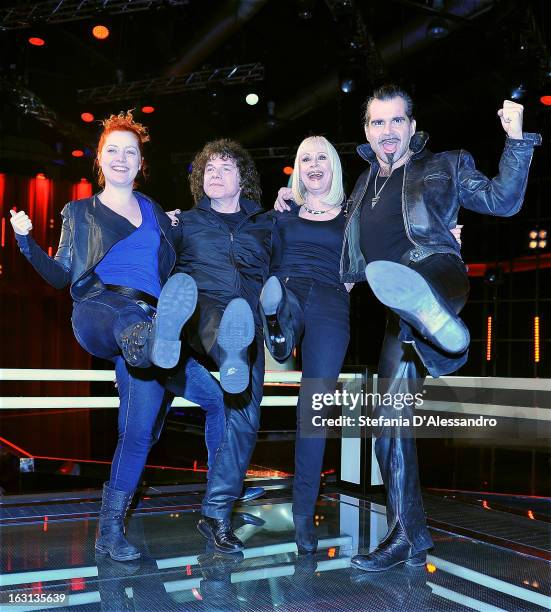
21,223
511,118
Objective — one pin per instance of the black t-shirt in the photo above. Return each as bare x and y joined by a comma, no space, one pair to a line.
308,249
382,232
232,220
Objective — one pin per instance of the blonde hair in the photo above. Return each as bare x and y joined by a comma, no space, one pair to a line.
336,193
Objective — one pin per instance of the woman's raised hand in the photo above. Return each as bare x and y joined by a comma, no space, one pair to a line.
20,222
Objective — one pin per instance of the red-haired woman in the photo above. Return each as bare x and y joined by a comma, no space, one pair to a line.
116,253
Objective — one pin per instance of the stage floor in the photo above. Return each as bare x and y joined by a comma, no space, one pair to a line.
50,551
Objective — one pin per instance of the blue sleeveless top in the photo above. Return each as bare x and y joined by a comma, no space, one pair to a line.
134,261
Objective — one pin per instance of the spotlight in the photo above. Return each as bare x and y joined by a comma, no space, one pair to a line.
542,234
438,28
348,85
533,244
41,176
100,32
251,99
518,92
148,109
546,100
288,170
542,244
533,234
87,117
77,153
36,41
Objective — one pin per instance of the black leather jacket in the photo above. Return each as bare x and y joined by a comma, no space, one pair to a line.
88,231
435,186
225,264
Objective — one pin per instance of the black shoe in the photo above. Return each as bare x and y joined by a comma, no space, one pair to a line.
220,532
157,342
245,518
305,534
175,306
250,493
235,334
394,550
111,539
408,294
279,343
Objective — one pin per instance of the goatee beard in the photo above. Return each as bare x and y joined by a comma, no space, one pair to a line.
390,161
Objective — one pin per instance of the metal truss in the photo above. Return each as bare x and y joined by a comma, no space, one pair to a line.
23,15
344,148
160,86
31,105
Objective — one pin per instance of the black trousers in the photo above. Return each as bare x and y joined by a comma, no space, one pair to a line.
229,467
401,370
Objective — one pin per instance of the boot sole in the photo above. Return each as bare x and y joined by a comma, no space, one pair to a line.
409,295
235,334
376,569
205,532
271,295
176,305
106,551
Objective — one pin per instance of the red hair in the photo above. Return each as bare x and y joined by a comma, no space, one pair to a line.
123,122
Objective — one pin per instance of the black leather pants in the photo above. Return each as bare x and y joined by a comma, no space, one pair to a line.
229,467
401,370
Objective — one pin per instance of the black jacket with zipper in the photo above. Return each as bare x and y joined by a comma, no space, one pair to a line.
225,264
89,229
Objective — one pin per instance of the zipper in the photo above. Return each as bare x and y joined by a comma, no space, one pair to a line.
349,219
404,209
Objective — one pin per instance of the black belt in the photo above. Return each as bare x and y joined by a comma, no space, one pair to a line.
133,294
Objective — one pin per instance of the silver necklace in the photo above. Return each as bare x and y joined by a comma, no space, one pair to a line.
377,196
314,211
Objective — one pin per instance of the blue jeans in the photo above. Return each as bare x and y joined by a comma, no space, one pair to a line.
321,324
97,324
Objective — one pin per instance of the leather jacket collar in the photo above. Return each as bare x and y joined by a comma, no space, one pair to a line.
416,144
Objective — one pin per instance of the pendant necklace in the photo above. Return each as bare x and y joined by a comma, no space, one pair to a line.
314,211
377,196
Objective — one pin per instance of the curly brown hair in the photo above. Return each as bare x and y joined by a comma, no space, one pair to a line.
225,148
123,122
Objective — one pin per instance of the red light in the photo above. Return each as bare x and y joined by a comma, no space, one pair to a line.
288,170
331,552
77,153
45,524
485,505
83,180
531,515
546,100
148,109
41,176
87,117
35,41
100,32
3,238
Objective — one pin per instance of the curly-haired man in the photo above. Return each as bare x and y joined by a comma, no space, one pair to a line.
224,244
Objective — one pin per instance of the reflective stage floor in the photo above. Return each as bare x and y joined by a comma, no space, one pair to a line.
475,564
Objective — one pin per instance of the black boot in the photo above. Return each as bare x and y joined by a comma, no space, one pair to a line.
111,540
393,550
157,342
220,533
276,320
410,296
305,534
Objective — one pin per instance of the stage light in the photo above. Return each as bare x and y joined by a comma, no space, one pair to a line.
533,235
542,244
251,99
87,117
100,32
542,234
77,153
546,100
438,28
83,180
41,176
518,92
148,109
288,170
348,85
532,244
536,339
489,339
36,41
431,568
